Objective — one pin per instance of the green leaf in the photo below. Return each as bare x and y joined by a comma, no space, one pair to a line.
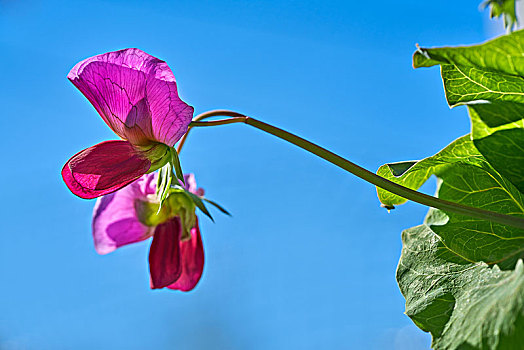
464,305
165,177
490,79
413,174
465,178
504,9
463,278
501,55
502,146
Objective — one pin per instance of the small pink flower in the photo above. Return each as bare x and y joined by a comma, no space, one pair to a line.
136,95
176,256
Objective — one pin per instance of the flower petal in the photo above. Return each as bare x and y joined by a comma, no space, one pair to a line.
104,168
192,260
136,95
164,254
191,185
115,221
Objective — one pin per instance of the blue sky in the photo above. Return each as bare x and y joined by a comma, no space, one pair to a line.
308,259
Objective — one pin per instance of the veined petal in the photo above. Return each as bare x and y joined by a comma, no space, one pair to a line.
104,168
115,221
136,95
164,254
192,261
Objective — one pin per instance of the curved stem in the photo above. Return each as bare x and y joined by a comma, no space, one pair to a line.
357,170
207,115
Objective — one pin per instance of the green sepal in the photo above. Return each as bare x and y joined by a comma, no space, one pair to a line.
151,213
164,180
216,205
199,202
200,205
158,154
181,204
176,164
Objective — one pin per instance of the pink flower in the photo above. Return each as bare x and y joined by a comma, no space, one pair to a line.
176,256
136,95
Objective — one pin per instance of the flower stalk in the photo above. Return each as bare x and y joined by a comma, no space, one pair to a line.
366,175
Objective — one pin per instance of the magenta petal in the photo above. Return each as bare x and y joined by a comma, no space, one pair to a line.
190,183
191,186
104,168
115,221
192,260
164,254
136,95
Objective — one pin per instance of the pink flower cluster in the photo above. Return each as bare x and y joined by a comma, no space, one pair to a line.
136,95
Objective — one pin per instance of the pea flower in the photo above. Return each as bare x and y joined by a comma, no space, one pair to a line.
131,214
136,95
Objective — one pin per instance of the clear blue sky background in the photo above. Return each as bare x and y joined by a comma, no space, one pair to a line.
308,260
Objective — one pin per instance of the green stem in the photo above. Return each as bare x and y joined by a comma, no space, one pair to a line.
356,170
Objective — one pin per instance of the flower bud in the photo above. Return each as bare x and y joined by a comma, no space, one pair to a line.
158,154
181,205
148,213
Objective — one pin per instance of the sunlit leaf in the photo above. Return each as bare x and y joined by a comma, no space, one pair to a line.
465,305
463,277
466,178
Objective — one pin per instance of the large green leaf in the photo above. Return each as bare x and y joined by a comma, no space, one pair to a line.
413,174
465,178
487,77
490,79
464,305
450,269
501,55
502,146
